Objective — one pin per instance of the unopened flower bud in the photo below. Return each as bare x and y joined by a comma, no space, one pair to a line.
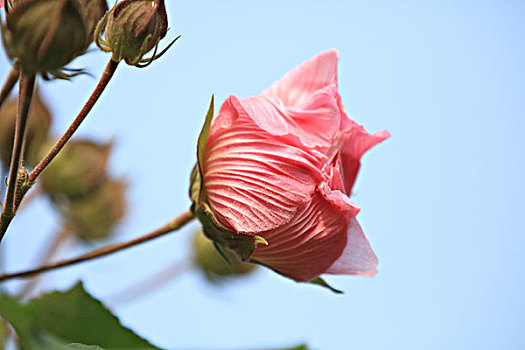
45,35
215,266
36,130
77,170
133,28
96,215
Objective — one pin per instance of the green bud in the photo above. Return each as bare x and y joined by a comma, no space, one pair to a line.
77,170
133,28
96,215
36,130
45,35
213,264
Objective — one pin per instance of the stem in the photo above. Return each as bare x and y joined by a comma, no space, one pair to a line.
104,80
173,225
10,82
27,84
30,197
149,284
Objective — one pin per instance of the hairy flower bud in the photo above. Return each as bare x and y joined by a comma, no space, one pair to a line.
45,35
79,169
133,28
215,266
36,130
96,215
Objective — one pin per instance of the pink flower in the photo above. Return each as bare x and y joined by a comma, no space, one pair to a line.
281,165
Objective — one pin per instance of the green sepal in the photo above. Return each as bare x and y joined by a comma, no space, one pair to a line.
241,244
196,192
321,282
201,145
195,187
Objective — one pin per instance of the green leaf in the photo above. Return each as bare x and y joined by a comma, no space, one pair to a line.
298,347
321,282
3,334
60,318
203,140
77,346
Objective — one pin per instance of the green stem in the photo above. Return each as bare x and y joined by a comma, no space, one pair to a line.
27,84
171,226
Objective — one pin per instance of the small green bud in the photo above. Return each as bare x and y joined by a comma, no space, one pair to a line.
45,35
77,170
213,264
96,215
37,129
133,28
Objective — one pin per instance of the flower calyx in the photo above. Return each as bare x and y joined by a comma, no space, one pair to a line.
131,29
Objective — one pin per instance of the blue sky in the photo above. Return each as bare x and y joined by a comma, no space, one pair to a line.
442,200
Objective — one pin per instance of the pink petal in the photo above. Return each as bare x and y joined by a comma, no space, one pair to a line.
339,199
255,181
357,258
297,86
309,244
314,124
356,141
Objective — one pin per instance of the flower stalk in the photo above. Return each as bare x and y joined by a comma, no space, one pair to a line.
101,86
171,226
10,82
14,186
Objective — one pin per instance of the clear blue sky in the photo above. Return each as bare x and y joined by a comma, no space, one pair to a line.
442,200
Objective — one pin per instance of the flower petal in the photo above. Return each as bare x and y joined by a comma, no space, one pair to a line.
255,181
356,141
357,258
314,124
308,245
297,86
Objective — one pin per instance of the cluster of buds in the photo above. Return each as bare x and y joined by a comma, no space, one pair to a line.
90,201
43,36
95,215
78,170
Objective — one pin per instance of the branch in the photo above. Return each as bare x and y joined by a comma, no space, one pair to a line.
10,82
104,80
27,84
149,284
171,226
